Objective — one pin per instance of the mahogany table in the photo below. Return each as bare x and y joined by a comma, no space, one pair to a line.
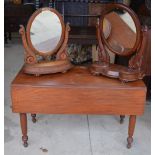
76,92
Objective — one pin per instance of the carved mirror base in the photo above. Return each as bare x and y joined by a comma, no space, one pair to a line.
47,67
123,73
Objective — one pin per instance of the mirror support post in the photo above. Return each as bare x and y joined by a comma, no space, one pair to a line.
62,55
136,61
30,57
103,54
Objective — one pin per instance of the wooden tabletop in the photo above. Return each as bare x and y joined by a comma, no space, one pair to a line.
76,92
79,76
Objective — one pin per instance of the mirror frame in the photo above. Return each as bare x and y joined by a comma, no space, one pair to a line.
28,28
110,7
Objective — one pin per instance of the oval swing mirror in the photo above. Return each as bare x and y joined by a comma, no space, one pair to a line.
45,31
124,37
45,41
119,31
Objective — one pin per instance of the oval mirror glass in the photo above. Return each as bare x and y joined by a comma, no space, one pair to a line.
46,31
119,30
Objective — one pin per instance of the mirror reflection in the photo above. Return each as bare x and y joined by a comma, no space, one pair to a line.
45,32
121,30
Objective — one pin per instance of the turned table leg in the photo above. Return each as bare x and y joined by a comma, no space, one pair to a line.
122,119
23,122
132,122
33,118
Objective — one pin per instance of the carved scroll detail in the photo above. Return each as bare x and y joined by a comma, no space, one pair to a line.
62,54
136,61
103,54
30,57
